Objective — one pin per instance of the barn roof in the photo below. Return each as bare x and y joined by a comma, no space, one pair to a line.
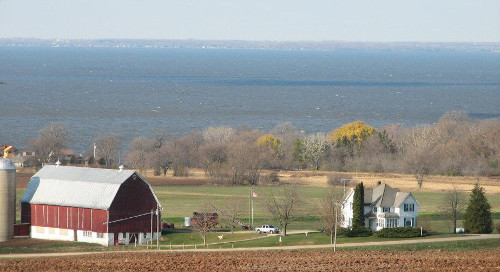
75,186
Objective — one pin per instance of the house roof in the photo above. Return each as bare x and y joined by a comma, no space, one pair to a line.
389,215
75,186
383,195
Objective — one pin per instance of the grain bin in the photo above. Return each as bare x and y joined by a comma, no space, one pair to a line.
7,199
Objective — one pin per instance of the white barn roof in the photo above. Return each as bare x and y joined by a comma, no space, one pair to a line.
75,186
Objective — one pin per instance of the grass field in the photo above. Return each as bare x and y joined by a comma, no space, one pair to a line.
187,199
181,201
244,240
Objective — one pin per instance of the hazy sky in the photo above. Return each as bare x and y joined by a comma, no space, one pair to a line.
316,20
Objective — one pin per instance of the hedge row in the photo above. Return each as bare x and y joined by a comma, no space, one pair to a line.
406,232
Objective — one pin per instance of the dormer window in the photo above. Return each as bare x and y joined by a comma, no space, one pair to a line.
375,209
386,209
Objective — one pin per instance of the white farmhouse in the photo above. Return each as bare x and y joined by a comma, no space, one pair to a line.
385,207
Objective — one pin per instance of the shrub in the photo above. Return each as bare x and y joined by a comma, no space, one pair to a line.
498,228
272,179
403,232
358,232
453,172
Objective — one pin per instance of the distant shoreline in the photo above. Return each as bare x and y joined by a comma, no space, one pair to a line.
255,45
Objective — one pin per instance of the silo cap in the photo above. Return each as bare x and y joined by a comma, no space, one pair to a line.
6,164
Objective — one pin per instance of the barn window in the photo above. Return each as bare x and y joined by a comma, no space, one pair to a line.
100,235
87,233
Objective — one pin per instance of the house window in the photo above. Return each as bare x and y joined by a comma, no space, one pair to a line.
386,209
381,223
392,223
409,207
375,209
350,205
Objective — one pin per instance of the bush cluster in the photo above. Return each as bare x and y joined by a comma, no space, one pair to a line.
358,232
403,232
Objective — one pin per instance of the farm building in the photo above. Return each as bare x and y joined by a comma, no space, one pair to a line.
92,205
384,207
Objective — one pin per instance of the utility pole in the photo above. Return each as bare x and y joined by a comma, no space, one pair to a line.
251,199
335,237
157,226
152,228
250,210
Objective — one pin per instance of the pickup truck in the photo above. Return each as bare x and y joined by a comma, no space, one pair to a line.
267,229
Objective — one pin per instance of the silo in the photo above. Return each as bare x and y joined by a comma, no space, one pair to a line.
7,199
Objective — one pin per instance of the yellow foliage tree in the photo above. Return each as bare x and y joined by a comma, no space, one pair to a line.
353,132
268,140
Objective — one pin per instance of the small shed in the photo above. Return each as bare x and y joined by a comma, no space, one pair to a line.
104,206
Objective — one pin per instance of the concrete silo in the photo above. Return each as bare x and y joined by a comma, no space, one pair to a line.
7,199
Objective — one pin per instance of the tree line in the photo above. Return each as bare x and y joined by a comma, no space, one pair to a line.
454,145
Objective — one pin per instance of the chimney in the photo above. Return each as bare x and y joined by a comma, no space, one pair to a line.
121,167
58,162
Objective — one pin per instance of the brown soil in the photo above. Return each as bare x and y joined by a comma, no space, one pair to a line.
264,261
404,182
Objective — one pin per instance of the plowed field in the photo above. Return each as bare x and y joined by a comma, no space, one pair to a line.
265,261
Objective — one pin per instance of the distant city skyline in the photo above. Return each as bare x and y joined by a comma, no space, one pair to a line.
276,20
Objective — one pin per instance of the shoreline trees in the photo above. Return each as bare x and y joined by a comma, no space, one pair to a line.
455,145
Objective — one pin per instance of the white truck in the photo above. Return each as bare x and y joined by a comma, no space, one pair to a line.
267,229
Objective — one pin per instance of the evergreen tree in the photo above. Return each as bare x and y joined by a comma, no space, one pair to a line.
478,214
358,219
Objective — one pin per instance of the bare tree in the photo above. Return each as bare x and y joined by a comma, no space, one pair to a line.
214,156
315,147
245,164
453,206
419,155
233,209
49,142
107,147
184,153
330,215
287,134
283,205
159,156
138,156
220,134
205,221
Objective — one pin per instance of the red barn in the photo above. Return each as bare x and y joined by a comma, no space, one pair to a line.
92,205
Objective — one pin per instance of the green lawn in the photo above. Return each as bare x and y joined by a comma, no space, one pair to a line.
262,240
181,201
193,238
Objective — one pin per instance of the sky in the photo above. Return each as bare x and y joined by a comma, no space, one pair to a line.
256,20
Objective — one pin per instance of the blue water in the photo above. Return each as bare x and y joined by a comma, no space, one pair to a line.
132,91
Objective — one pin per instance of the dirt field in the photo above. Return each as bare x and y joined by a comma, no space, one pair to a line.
320,178
265,261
